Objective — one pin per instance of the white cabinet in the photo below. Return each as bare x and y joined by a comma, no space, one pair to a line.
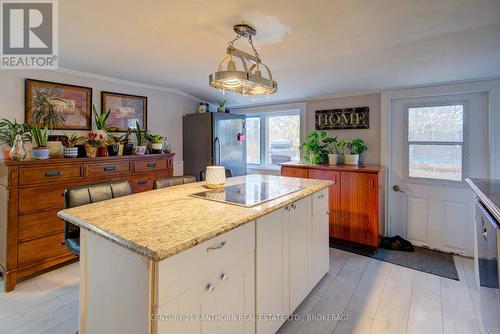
298,218
272,270
320,261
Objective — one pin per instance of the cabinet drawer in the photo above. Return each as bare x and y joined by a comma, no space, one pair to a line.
38,224
150,165
141,183
107,169
34,199
212,256
320,202
40,249
46,174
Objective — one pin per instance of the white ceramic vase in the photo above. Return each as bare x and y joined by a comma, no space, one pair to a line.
333,159
215,176
351,159
140,150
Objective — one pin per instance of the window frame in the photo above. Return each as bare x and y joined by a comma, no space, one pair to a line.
464,144
260,141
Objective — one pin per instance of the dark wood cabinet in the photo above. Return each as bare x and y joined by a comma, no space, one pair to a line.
356,200
32,192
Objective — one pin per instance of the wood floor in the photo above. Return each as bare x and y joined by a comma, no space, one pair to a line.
378,297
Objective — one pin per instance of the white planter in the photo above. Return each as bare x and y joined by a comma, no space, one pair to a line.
140,150
333,159
70,152
351,159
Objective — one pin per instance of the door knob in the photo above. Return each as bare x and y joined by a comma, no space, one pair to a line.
224,277
396,188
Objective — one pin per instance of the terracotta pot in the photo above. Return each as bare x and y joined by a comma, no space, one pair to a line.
6,151
102,151
90,150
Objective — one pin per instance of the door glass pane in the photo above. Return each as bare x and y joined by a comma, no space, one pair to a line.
283,139
253,140
443,162
437,123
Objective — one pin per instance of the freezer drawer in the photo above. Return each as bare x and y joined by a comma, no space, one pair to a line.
487,234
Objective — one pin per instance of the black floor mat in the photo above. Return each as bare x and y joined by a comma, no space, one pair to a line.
422,259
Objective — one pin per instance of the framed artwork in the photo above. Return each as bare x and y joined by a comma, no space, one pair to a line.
71,106
126,110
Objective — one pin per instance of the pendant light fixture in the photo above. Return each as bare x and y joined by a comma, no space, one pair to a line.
248,79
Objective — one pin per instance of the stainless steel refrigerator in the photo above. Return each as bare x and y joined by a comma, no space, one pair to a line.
214,139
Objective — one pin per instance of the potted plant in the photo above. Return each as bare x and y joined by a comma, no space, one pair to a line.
167,147
94,140
333,155
356,147
141,146
8,132
221,107
70,149
100,122
156,143
128,146
341,145
115,145
315,149
41,137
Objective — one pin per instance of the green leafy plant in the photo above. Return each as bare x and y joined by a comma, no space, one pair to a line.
43,110
121,140
41,136
139,135
154,139
331,144
341,146
357,146
315,149
9,130
101,119
222,103
72,140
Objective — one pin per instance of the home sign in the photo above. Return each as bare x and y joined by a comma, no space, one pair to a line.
347,118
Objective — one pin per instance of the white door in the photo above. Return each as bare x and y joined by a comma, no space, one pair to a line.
298,217
436,142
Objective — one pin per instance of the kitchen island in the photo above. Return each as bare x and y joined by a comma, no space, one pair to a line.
164,261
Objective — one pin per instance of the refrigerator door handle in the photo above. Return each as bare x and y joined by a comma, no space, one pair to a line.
217,148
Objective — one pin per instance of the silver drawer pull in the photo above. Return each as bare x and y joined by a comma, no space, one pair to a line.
210,287
222,244
294,206
321,196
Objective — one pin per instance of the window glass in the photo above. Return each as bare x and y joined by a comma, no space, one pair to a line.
283,139
442,162
436,123
253,140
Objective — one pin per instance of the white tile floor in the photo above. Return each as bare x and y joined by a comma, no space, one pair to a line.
378,297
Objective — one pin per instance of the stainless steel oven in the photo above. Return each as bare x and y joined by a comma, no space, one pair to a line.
488,236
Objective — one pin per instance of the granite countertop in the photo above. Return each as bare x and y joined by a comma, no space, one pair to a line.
161,223
488,190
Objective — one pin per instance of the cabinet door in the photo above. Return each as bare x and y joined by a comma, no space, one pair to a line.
235,296
272,260
299,220
195,304
320,253
359,205
294,172
334,198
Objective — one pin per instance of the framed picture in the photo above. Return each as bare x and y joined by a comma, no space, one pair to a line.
126,110
70,106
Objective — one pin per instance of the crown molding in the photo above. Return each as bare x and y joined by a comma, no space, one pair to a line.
129,83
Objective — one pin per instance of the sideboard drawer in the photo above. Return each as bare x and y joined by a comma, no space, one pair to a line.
107,169
150,165
40,249
50,174
38,224
141,183
34,199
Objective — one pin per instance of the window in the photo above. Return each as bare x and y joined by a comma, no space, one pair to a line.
273,138
435,137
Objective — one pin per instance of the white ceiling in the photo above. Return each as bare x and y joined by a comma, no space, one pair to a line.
314,48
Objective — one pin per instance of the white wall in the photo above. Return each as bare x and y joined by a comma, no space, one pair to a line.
165,108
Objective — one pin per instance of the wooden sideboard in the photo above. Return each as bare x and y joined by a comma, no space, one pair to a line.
356,199
32,192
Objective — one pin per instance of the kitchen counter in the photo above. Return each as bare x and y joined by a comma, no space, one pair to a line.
161,223
488,190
